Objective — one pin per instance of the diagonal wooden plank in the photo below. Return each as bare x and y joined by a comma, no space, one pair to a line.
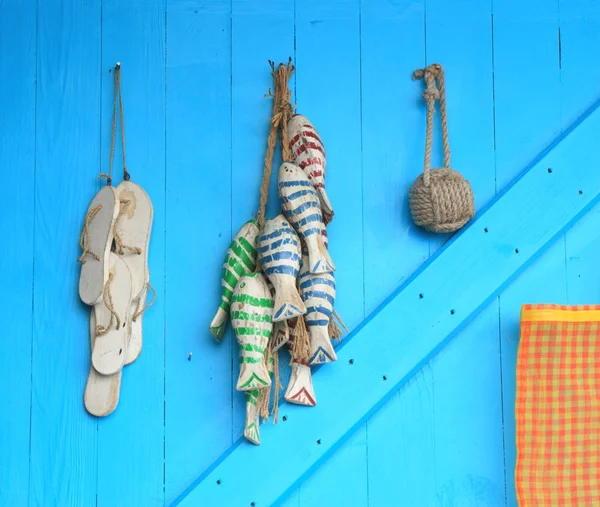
415,322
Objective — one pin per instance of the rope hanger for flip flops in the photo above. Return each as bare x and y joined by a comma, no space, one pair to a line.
117,103
441,200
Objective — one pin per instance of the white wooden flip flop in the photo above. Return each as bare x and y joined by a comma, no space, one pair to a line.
101,391
112,319
134,345
96,241
132,232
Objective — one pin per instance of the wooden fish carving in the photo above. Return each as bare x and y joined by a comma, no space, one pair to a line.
308,152
279,254
239,260
251,318
300,204
318,293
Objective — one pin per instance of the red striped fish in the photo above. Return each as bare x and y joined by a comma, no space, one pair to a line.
308,152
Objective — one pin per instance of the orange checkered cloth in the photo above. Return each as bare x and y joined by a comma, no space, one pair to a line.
558,406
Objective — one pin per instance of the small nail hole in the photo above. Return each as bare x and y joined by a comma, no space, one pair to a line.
451,312
516,250
284,418
549,170
384,377
319,442
252,504
219,482
581,192
485,230
351,361
120,351
421,296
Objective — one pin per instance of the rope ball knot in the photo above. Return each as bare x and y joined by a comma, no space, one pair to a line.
440,200
443,202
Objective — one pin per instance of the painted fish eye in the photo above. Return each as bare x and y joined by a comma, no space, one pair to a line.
242,285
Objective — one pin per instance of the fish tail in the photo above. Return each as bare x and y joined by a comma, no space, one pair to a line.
321,349
252,426
217,326
320,261
253,376
288,304
300,389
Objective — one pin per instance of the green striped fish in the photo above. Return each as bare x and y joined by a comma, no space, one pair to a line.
251,316
240,259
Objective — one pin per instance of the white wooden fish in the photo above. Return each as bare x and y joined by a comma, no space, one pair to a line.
239,260
300,204
251,318
279,254
318,293
308,152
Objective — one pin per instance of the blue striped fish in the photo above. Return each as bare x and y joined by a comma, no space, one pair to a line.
301,206
318,293
279,254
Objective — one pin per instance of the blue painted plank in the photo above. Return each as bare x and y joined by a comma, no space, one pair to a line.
525,44
131,440
579,39
63,437
467,400
521,223
333,104
198,136
393,120
17,156
400,463
458,37
258,35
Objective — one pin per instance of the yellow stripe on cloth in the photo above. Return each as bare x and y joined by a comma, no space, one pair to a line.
555,313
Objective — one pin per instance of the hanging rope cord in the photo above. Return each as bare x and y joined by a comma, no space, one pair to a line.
282,111
435,90
117,103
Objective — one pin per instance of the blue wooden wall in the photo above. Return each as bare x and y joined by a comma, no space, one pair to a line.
194,77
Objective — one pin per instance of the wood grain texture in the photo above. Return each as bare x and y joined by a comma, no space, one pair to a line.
524,33
199,229
64,440
194,78
17,158
328,93
521,224
131,440
259,34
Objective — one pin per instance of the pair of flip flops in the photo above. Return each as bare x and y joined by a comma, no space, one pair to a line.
114,281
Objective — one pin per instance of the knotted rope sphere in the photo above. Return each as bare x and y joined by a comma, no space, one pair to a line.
440,200
445,205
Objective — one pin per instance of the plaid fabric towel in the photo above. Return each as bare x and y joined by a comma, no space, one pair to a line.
558,406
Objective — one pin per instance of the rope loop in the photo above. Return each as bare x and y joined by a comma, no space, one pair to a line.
433,75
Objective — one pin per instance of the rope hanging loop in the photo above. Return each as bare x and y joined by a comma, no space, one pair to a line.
440,200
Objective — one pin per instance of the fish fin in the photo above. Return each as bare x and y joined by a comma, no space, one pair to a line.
320,262
300,389
217,326
288,304
321,349
326,208
253,376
